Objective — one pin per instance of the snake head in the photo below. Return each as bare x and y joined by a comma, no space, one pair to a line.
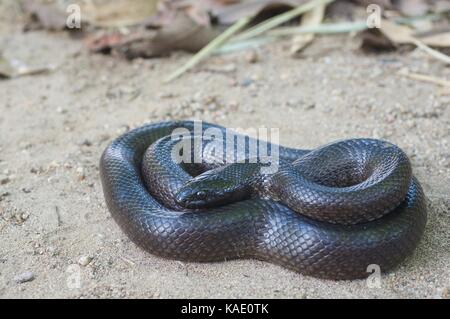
211,189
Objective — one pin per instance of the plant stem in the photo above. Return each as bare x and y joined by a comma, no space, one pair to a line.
280,19
209,48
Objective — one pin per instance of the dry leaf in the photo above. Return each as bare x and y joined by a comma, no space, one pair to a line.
425,78
181,34
310,18
201,10
6,69
373,40
401,34
232,13
398,34
198,10
103,13
438,40
11,68
118,13
104,42
224,12
444,91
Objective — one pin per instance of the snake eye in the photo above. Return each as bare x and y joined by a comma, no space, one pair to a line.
201,195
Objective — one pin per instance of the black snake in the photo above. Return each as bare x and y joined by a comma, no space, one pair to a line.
330,212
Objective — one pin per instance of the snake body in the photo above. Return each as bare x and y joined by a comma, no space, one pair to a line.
331,212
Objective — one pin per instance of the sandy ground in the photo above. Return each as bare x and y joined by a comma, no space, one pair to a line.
53,128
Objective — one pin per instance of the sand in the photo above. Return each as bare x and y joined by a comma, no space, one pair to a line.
53,220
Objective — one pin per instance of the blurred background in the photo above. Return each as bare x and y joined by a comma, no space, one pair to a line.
76,74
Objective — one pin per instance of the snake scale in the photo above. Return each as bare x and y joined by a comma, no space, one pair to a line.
329,212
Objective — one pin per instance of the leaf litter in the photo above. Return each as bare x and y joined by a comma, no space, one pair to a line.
151,28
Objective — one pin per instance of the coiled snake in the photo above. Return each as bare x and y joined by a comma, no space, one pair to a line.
330,212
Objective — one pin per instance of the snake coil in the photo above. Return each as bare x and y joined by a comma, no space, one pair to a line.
345,206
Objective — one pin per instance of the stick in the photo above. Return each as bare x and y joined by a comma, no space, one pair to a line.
326,28
434,53
209,48
426,78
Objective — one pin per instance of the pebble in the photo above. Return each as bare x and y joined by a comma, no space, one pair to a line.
25,277
53,165
292,103
52,251
61,110
21,217
80,172
446,293
252,57
86,142
233,105
84,260
3,195
246,82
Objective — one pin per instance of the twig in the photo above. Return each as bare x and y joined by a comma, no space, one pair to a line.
313,17
280,19
325,28
411,20
58,216
399,34
245,44
434,53
426,78
272,35
209,48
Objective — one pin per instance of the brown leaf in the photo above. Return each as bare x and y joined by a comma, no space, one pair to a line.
398,34
118,13
373,40
104,42
388,37
437,40
224,12
198,10
232,13
181,34
392,35
201,10
310,18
